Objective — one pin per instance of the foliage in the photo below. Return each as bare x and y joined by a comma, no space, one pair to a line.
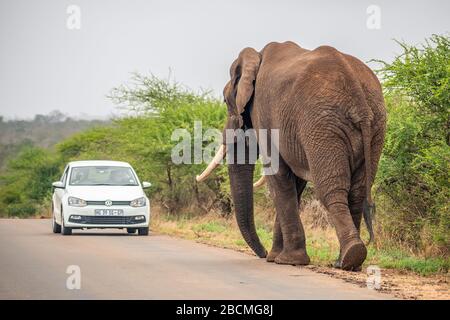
413,176
423,74
27,180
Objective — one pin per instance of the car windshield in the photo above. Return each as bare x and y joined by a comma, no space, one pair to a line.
102,176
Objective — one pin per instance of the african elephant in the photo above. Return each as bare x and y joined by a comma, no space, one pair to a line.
329,109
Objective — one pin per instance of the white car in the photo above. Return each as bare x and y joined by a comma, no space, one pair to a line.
100,194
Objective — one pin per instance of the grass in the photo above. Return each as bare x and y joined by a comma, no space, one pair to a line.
211,227
322,245
397,259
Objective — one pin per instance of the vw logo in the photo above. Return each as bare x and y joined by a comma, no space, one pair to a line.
108,203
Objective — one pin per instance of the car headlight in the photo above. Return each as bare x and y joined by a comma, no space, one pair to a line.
139,202
76,202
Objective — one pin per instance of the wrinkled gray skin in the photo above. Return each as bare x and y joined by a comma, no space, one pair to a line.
329,109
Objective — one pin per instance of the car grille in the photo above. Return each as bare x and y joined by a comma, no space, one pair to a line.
106,220
102,203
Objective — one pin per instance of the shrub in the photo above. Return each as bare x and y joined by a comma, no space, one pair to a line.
414,168
26,181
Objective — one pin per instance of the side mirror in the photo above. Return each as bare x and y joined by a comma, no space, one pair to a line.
146,184
58,184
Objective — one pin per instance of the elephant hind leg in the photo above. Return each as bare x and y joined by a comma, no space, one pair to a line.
352,249
332,179
356,196
353,252
355,201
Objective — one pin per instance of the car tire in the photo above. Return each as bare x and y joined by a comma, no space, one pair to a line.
131,230
143,231
64,230
55,226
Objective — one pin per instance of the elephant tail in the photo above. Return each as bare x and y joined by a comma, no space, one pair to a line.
369,206
369,213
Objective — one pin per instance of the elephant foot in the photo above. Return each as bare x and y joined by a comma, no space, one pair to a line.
272,255
353,256
338,265
294,257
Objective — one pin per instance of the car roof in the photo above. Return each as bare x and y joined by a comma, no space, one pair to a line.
87,163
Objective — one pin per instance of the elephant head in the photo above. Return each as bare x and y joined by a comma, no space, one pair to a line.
238,93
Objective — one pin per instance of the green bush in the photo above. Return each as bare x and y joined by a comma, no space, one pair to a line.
413,177
26,181
21,209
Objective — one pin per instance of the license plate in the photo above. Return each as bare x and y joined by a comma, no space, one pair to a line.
109,212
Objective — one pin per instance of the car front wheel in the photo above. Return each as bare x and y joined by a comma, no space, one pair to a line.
131,230
55,226
143,231
64,230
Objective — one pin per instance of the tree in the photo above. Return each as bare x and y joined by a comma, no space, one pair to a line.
423,74
155,108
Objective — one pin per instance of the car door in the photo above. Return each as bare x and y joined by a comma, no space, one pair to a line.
58,194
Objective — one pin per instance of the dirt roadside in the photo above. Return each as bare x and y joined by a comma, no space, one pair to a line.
402,284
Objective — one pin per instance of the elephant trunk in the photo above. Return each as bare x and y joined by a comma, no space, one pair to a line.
241,180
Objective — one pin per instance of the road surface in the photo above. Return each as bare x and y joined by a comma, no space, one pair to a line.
115,265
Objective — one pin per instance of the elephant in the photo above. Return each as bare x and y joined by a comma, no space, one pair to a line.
329,110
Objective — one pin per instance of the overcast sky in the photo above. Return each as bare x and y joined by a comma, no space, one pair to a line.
46,66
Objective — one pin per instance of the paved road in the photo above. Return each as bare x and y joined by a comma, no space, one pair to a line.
114,265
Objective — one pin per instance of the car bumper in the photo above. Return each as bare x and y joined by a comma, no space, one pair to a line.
87,218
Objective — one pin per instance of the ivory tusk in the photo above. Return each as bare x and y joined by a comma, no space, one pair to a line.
221,153
260,182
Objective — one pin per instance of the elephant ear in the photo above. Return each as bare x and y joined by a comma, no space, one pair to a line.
243,73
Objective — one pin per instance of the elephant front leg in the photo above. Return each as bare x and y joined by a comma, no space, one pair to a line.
277,245
292,234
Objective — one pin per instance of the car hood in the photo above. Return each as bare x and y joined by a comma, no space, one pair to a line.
102,193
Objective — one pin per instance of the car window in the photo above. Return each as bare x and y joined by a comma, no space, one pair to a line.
102,175
64,176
